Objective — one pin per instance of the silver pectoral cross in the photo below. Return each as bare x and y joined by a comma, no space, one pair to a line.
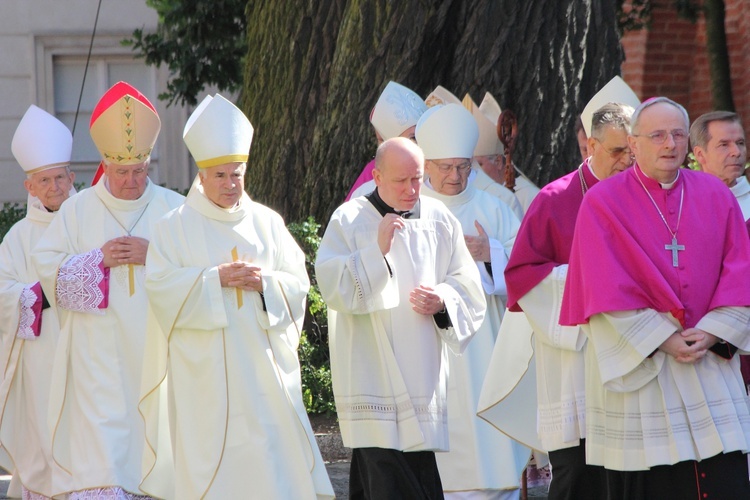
674,248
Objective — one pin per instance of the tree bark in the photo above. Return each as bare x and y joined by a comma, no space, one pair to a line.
718,56
315,70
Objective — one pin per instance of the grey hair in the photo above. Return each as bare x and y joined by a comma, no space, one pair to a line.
650,102
699,135
612,114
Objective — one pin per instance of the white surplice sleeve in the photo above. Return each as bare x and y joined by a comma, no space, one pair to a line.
353,280
626,346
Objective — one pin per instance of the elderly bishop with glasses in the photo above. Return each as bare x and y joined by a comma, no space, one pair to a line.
657,283
480,458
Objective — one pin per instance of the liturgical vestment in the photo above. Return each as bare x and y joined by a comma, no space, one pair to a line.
387,361
480,457
227,359
29,337
96,429
631,288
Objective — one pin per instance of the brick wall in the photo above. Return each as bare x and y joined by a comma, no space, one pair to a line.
670,58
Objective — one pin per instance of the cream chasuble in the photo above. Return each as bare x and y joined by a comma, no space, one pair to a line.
480,457
228,368
387,361
26,360
96,429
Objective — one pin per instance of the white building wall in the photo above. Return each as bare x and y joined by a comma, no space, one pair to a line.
36,33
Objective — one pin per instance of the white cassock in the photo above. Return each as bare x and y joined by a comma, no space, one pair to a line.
481,461
387,361
238,424
741,191
25,359
483,182
96,428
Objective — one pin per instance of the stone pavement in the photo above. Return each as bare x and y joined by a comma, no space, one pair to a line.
337,463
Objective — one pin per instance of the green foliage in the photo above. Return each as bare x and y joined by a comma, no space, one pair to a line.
9,215
315,362
202,43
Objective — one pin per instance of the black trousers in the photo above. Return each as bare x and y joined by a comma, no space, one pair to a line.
379,473
572,478
721,477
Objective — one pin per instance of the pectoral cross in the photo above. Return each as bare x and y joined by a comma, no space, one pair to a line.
235,258
674,248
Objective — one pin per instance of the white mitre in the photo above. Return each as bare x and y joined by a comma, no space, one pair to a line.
447,131
490,108
218,132
441,95
615,91
398,108
41,142
488,143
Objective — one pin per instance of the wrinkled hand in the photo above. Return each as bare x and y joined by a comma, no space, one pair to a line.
425,301
688,346
386,230
241,274
479,246
125,250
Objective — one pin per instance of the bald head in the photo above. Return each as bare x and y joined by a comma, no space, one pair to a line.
399,167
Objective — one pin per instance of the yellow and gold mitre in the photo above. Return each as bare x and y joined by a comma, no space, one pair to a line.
124,125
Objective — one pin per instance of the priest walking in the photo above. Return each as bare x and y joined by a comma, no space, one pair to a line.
481,461
227,284
29,328
400,285
666,409
91,266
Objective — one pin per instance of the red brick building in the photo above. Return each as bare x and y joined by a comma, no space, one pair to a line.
670,58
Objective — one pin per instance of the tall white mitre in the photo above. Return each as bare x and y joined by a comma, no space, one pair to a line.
447,131
616,90
441,95
488,143
398,108
218,132
491,108
41,142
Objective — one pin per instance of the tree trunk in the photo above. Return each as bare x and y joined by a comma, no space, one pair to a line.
718,56
315,70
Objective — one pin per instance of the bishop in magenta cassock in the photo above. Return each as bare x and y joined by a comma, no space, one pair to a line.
658,283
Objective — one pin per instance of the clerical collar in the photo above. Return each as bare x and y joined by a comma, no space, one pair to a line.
383,208
663,185
591,169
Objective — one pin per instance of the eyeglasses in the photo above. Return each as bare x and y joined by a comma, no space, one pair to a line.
658,137
462,168
615,153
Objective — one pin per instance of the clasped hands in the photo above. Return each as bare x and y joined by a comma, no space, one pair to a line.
125,250
688,346
241,274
